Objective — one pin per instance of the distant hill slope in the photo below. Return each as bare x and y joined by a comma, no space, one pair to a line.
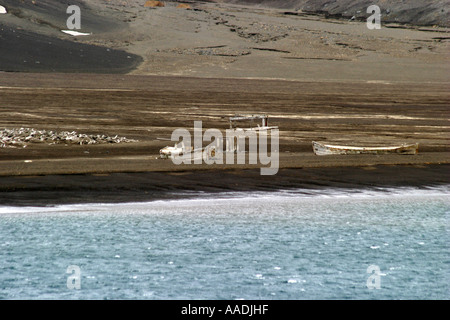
32,41
413,12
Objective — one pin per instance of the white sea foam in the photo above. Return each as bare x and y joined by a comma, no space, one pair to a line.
335,194
215,199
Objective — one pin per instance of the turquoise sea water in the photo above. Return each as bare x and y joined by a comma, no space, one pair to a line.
278,245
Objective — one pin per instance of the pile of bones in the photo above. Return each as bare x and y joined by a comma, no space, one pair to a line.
23,136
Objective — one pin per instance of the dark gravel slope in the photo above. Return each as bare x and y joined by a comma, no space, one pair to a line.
414,12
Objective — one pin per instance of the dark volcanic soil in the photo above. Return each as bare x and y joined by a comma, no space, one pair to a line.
151,107
32,41
40,53
149,186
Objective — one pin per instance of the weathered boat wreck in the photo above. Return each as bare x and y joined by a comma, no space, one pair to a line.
232,142
322,149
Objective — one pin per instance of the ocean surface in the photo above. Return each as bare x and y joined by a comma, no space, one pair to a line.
324,244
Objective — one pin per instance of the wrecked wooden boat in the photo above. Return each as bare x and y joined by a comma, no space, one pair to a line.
322,149
177,150
229,144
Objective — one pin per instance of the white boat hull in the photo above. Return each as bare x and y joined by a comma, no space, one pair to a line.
321,149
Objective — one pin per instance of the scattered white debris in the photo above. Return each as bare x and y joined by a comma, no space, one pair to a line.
76,33
3,10
21,137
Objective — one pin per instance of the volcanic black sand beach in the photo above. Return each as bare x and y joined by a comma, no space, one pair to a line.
148,186
158,69
124,105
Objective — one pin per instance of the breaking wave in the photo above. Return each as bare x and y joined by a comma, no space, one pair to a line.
206,198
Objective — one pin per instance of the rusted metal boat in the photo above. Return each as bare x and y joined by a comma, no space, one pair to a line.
322,149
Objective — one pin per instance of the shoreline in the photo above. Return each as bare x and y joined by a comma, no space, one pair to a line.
150,108
318,79
124,187
138,163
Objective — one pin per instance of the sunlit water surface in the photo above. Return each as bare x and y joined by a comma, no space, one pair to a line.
278,245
